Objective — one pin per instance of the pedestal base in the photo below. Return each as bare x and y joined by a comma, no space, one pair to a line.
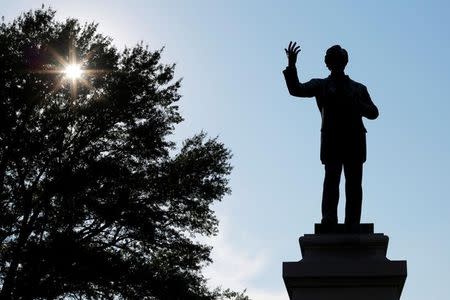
344,263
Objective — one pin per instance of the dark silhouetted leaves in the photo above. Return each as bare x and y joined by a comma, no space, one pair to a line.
95,200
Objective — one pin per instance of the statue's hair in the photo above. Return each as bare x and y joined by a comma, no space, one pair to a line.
336,57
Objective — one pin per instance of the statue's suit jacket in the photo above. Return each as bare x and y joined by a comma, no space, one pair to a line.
342,103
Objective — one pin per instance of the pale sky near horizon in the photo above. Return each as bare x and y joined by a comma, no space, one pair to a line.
230,55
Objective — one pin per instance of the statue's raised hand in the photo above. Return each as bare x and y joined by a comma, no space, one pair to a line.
292,52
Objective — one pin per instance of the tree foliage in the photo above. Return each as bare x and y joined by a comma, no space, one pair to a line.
96,202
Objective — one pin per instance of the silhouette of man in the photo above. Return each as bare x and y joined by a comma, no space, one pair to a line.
342,103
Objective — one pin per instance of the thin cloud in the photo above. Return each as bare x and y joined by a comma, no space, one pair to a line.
236,268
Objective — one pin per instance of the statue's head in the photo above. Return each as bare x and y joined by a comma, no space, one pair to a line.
336,58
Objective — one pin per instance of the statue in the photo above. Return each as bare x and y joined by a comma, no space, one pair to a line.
342,103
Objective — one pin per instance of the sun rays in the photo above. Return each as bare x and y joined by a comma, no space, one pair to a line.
73,71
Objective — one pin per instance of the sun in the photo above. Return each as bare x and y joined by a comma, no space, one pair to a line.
73,71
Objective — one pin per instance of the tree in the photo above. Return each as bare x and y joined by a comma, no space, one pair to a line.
96,200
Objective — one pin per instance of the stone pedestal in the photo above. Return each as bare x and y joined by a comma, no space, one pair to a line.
343,263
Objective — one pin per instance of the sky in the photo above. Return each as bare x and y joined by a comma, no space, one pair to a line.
230,55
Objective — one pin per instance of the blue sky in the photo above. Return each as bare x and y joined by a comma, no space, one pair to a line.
230,54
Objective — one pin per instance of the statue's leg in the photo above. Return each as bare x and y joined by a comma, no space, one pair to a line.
353,192
330,195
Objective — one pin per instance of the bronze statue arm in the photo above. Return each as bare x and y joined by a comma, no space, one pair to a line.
295,88
367,108
308,89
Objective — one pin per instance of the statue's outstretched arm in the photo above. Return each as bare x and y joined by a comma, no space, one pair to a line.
298,89
308,89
